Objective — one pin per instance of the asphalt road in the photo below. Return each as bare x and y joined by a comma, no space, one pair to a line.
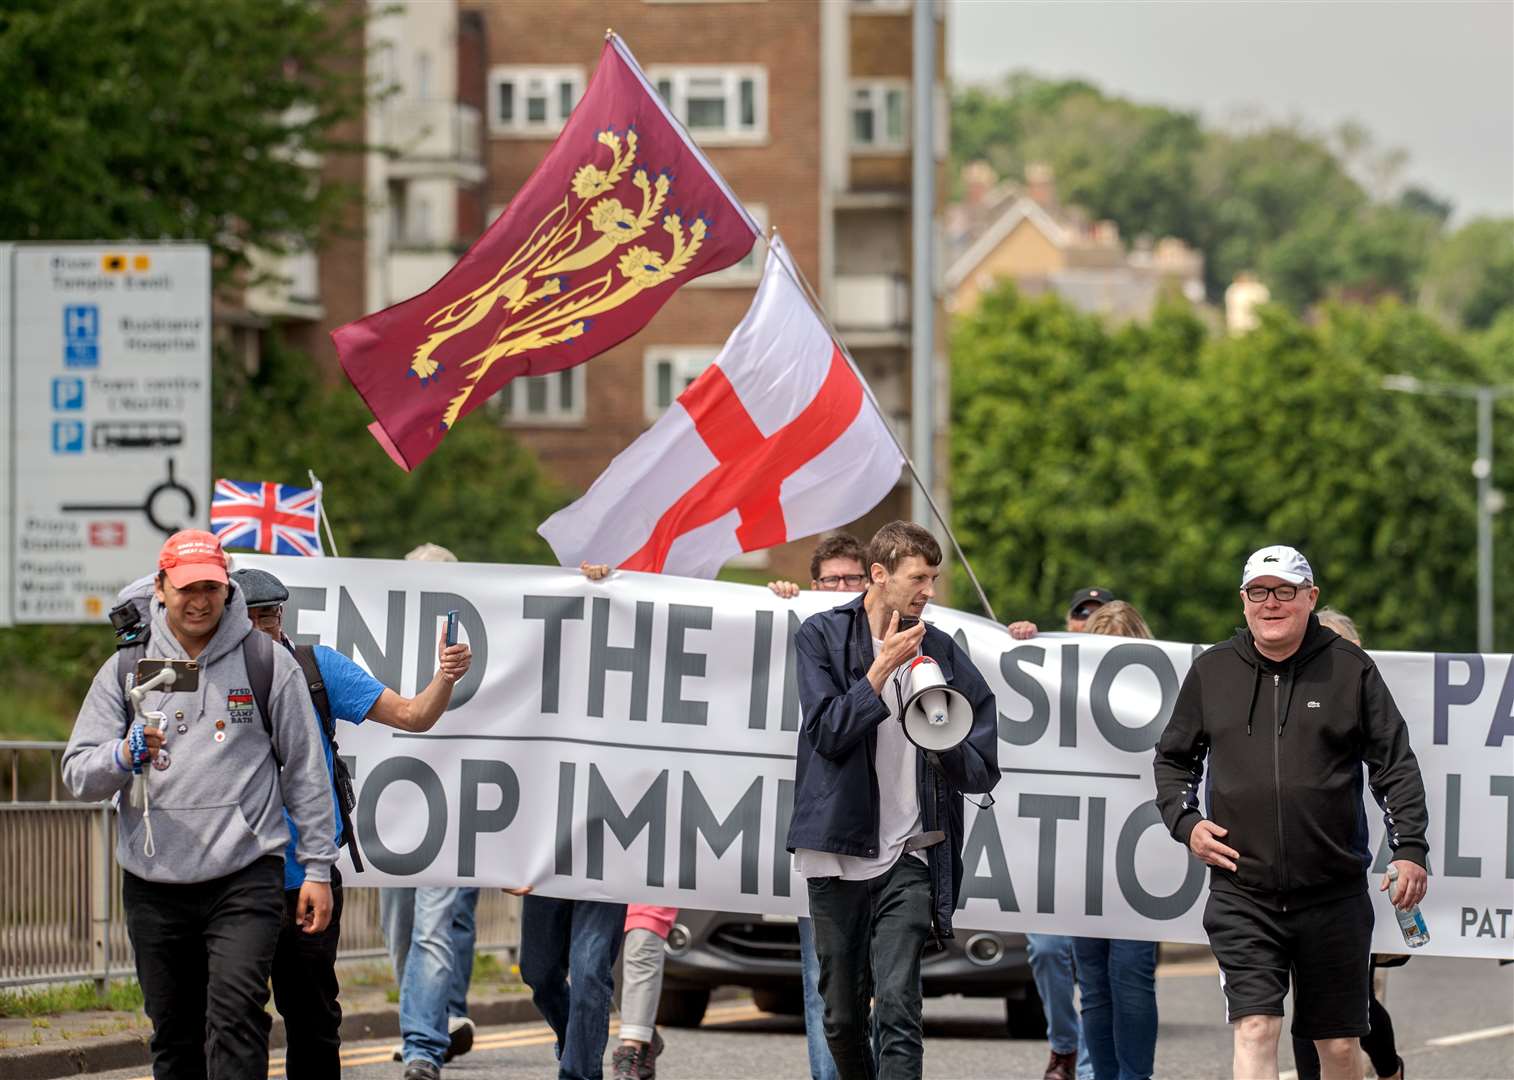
1454,1019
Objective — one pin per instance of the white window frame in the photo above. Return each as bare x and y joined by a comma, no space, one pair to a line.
514,408
688,362
877,91
731,76
520,76
748,271
882,7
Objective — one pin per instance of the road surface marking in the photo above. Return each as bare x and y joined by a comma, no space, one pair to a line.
1472,1036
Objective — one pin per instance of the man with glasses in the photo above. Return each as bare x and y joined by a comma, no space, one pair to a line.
1285,714
304,965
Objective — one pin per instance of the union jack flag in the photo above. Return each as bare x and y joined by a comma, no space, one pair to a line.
276,518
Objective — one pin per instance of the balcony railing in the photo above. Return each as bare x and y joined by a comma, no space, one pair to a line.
872,302
426,137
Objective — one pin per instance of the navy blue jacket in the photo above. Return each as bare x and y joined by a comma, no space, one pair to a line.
835,783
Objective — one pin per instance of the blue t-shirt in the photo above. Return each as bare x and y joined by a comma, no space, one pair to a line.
352,692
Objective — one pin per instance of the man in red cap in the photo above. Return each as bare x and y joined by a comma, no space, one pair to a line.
202,838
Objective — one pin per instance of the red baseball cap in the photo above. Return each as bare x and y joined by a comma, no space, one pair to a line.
192,555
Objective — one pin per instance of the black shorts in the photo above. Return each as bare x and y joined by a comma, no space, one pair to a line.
1326,948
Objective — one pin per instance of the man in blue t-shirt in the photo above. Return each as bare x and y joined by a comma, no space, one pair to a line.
304,965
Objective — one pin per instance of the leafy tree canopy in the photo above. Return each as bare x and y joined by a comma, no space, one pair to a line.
1314,214
1153,458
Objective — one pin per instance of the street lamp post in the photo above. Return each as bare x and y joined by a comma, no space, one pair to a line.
1489,500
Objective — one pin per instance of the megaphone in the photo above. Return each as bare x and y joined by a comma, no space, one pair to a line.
936,716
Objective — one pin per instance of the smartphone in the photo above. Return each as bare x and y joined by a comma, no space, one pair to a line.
452,627
907,621
186,673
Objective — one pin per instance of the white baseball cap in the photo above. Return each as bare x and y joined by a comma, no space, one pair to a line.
1279,561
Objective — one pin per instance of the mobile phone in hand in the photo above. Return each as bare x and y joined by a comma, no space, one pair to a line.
452,627
907,621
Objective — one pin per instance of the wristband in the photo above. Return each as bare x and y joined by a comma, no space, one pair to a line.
136,746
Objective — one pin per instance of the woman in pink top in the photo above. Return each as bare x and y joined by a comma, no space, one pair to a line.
647,929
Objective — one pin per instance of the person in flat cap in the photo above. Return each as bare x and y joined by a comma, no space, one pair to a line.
304,965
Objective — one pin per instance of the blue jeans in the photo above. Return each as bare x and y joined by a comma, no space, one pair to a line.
463,930
1118,980
418,928
1052,965
821,1065
567,958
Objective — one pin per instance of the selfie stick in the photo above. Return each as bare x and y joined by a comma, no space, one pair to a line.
139,798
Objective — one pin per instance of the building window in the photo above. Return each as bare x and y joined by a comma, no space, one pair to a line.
749,270
530,101
557,398
717,104
669,371
880,115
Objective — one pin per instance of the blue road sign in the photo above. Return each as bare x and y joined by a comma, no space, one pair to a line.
81,336
68,437
68,394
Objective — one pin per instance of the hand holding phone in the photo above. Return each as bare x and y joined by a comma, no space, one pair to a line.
452,627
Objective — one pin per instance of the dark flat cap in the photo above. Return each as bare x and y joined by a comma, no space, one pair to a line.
259,588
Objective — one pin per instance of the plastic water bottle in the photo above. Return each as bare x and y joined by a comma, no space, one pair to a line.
1411,922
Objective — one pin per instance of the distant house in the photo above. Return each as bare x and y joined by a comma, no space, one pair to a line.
1024,234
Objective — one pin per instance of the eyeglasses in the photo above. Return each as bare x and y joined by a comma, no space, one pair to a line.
835,581
267,616
1257,594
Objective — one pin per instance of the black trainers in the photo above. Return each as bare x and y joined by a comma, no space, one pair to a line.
421,1069
649,1057
460,1031
625,1063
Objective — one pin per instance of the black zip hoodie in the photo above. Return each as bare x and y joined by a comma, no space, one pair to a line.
1285,743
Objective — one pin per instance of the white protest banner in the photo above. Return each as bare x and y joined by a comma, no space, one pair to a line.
633,739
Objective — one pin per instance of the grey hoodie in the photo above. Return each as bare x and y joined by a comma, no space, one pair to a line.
218,806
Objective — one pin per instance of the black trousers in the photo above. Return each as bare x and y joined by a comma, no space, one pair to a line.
869,936
305,991
204,952
1379,1044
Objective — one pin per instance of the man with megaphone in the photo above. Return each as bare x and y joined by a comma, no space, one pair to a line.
898,724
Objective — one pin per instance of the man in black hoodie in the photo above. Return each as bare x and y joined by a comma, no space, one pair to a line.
1287,712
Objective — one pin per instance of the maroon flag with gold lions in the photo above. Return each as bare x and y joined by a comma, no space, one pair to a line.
622,211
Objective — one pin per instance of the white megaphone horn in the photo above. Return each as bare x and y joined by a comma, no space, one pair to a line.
936,717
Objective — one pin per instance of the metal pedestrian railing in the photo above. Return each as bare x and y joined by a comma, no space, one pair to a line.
61,916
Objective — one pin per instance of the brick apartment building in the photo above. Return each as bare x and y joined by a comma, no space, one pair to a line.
802,105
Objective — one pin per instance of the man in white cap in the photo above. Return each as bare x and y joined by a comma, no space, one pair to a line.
1285,714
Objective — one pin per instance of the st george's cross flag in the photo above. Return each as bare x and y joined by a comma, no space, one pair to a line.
776,440
622,212
279,519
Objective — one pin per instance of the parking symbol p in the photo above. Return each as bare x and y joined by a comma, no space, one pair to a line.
68,437
68,394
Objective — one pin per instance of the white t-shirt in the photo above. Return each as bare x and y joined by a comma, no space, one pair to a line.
898,799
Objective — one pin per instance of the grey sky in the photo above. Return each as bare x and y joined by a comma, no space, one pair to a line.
1435,78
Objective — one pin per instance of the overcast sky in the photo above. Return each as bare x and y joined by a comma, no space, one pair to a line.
1435,78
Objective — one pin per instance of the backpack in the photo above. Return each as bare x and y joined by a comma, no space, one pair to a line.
257,656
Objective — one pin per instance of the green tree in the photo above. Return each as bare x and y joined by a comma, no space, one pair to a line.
185,120
174,119
1470,277
1154,458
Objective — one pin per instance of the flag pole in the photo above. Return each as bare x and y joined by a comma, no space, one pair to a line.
799,279
321,502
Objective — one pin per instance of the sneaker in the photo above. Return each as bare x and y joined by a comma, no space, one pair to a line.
421,1069
649,1057
460,1031
1060,1067
625,1063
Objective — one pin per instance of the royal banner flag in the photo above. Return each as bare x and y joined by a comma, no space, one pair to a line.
623,210
776,440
